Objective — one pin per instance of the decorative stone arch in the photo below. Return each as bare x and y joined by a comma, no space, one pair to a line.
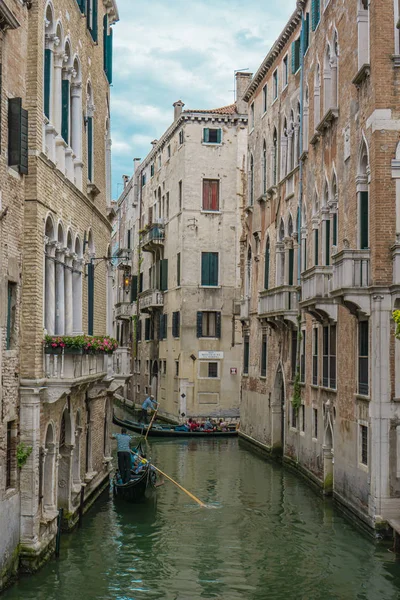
66,445
49,461
50,246
289,228
278,404
77,268
362,186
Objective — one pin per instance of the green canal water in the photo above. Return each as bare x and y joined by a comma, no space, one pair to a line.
265,536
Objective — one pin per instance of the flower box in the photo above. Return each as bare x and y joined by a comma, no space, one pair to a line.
78,351
50,350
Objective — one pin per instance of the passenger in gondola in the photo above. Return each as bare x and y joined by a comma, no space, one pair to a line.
124,454
208,425
193,425
184,427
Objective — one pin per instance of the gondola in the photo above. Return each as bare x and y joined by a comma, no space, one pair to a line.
139,489
169,430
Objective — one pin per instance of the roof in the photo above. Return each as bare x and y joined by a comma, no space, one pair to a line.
224,110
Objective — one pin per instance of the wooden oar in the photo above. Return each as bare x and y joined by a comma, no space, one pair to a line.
151,423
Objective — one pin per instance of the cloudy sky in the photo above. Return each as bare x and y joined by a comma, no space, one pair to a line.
166,50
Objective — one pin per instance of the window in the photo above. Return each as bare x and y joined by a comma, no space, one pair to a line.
139,331
159,162
315,357
285,73
212,136
163,327
363,357
164,274
9,455
329,357
364,225
263,370
296,55
11,315
164,367
315,423
251,181
91,18
303,417
167,208
208,370
180,195
138,388
327,242
208,324
147,369
209,269
107,49
181,137
294,353
246,353
176,323
152,170
143,179
252,116
316,247
169,151
148,329
265,98
303,356
294,416
315,14
17,136
211,194
264,167
266,264
275,157
306,32
275,84
178,269
177,368
364,445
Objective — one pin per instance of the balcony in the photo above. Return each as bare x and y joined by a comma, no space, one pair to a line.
151,300
351,278
154,237
279,304
315,293
125,310
122,363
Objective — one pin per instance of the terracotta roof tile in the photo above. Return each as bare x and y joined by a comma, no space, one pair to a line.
224,110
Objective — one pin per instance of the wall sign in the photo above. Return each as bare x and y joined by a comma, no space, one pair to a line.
233,371
211,355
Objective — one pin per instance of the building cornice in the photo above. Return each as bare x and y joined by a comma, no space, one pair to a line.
276,49
112,10
7,18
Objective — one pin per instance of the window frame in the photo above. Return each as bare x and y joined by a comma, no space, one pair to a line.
209,362
285,71
328,357
265,98
275,85
216,282
246,354
315,342
264,356
362,386
210,182
219,136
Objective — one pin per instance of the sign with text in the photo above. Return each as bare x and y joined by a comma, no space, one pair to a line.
210,355
233,371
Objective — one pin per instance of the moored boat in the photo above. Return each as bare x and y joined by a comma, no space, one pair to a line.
170,431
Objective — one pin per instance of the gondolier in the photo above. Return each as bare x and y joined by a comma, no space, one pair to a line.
148,405
124,454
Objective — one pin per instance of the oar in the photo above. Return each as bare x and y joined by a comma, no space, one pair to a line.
151,423
192,496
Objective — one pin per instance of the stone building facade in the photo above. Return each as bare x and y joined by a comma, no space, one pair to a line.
184,233
320,253
13,49
55,276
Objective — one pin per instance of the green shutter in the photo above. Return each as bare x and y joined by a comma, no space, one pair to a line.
266,266
105,48
178,269
47,81
206,138
334,230
90,147
134,288
17,136
110,57
88,10
199,323
65,111
147,329
219,136
364,221
164,274
294,57
327,243
213,268
291,265
165,326
218,325
178,324
94,30
9,306
246,348
306,34
315,13
82,6
316,246
205,268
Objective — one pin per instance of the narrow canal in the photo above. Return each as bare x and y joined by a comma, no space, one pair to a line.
268,536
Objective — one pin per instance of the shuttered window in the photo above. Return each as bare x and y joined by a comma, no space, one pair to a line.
212,136
90,148
178,269
47,82
291,267
263,369
208,324
306,32
334,229
315,13
17,136
107,49
327,243
11,310
176,322
147,327
363,358
164,274
266,266
329,357
163,327
209,269
134,288
316,247
246,354
294,352
364,220
82,5
296,55
91,18
139,331
303,356
210,194
65,110
315,357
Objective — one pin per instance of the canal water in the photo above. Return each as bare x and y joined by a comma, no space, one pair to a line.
265,536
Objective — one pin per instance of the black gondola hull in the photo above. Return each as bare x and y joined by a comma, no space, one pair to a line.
157,431
137,490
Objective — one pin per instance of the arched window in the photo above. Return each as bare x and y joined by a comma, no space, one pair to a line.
50,277
280,255
334,71
317,92
267,263
274,156
306,111
77,265
292,143
60,287
264,163
56,92
48,471
291,251
90,132
66,94
303,234
251,181
363,197
297,134
316,230
327,80
248,273
284,150
48,61
335,199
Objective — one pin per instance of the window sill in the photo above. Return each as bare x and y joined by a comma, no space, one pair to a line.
314,386
328,389
210,378
245,374
205,337
210,287
293,429
302,433
271,191
363,467
249,208
210,212
264,377
211,143
362,397
362,74
284,87
274,100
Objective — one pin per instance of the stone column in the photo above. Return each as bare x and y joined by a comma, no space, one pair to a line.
49,291
334,83
324,222
57,93
77,296
284,147
68,293
363,37
280,263
60,293
289,164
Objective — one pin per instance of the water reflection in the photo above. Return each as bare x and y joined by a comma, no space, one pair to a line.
268,536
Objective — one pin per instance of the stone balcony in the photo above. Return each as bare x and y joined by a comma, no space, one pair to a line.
279,304
315,297
122,363
154,237
125,310
351,278
245,309
151,300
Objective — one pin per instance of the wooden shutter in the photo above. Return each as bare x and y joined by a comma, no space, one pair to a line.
94,28
110,57
178,324
206,194
65,111
199,323
205,268
306,32
139,330
316,246
218,324
88,12
160,326
266,266
213,268
219,136
147,329
315,14
206,137
327,242
90,147
334,230
174,324
178,269
17,136
165,327
364,225
164,274
294,57
82,6
47,82
134,288
291,266
215,195
105,36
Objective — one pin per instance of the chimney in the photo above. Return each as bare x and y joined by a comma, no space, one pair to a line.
136,163
242,82
125,179
177,109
